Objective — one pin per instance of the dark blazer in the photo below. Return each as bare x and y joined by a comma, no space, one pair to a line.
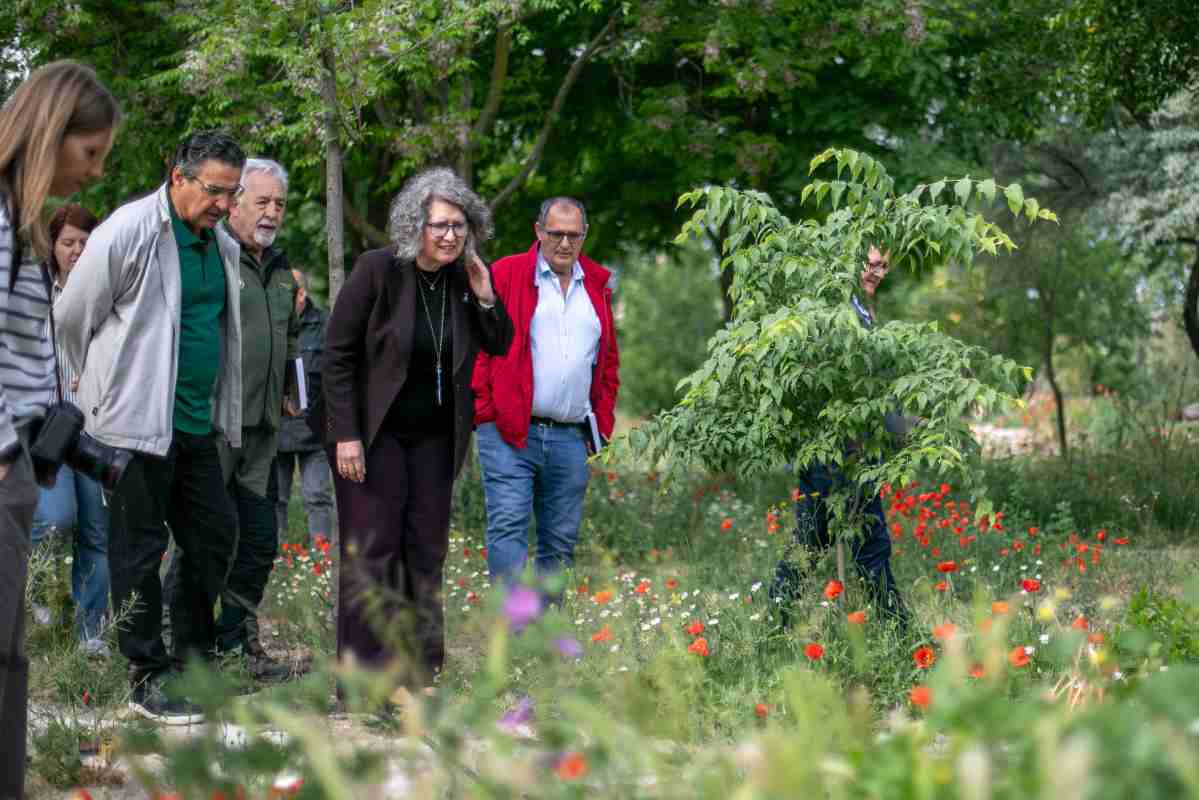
368,345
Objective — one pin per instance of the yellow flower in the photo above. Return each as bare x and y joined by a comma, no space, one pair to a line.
1061,593
1046,611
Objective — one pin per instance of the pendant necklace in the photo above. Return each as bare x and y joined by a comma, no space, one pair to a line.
438,341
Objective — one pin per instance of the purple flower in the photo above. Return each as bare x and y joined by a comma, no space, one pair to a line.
520,714
568,648
522,607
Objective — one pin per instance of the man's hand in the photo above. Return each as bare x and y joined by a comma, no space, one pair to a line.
290,409
351,461
480,280
4,470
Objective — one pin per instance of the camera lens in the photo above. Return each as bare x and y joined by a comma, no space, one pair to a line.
106,465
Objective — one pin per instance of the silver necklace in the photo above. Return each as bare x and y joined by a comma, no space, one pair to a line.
438,342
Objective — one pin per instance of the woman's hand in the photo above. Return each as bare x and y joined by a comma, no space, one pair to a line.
480,280
351,461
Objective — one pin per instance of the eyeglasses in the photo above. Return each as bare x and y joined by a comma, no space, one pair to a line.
877,267
440,229
215,191
574,237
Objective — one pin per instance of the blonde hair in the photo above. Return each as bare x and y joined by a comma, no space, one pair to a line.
60,99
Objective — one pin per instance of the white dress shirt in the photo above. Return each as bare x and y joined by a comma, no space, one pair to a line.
565,334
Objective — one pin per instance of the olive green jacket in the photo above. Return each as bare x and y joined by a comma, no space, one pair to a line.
270,335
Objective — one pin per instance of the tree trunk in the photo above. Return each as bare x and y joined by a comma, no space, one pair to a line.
1051,375
334,195
1190,311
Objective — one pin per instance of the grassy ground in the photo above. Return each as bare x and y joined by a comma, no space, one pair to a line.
667,627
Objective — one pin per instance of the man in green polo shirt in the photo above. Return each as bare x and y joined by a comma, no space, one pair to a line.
151,322
270,330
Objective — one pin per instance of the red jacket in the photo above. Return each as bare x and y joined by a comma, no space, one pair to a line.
503,385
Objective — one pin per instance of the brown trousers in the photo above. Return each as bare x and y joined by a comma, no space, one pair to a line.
18,500
394,535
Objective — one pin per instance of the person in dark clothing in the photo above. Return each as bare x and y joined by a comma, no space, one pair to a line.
270,334
298,445
150,321
401,343
871,551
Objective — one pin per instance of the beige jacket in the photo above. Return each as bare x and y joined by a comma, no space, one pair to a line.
118,321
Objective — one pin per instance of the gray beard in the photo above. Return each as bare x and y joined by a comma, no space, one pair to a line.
264,239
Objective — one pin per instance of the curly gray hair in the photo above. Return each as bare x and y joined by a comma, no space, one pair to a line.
410,210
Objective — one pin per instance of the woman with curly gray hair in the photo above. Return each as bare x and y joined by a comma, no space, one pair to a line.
400,348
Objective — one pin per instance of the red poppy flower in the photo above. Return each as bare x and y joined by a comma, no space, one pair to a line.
699,647
942,586
1018,657
726,524
1080,624
857,617
977,672
602,597
1000,607
1101,535
466,552
1030,585
947,566
672,584
762,710
921,696
833,589
571,766
1095,638
642,587
1032,532
924,657
1122,540
945,631
813,651
695,628
945,489
604,634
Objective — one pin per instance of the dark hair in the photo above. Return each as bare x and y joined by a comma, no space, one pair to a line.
549,204
204,146
70,214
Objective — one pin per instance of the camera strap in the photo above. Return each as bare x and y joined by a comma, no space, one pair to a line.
53,333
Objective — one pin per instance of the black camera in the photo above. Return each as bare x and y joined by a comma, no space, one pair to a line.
61,440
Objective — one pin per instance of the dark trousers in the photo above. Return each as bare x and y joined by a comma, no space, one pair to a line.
257,543
18,499
187,491
871,551
394,535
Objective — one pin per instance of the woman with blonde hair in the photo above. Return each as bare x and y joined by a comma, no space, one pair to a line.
55,133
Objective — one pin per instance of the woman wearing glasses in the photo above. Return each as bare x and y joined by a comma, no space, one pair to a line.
55,133
400,346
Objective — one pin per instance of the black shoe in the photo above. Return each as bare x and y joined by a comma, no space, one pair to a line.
262,666
150,701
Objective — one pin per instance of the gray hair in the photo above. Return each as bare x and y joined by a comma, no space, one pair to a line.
410,210
266,167
204,146
549,204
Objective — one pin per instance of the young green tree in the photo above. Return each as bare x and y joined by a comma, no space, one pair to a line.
794,377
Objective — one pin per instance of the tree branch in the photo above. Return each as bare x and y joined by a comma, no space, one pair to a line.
363,227
551,119
495,92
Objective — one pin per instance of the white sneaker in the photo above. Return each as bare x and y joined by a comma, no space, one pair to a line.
95,648
41,615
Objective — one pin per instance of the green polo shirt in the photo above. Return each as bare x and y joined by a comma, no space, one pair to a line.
202,279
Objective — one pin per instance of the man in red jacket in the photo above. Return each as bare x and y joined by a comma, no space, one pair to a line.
535,407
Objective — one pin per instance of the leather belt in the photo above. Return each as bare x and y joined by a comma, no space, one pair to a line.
553,423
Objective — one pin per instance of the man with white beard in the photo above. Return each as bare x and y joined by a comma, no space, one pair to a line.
270,332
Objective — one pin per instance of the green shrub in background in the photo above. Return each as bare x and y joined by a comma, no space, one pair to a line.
669,306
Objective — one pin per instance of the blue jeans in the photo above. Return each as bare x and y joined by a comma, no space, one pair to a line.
547,478
75,504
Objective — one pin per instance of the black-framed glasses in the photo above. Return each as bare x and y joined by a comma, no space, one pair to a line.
574,237
877,267
440,229
216,191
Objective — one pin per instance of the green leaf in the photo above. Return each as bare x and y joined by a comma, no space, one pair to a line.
1031,209
1015,198
987,190
962,190
935,190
